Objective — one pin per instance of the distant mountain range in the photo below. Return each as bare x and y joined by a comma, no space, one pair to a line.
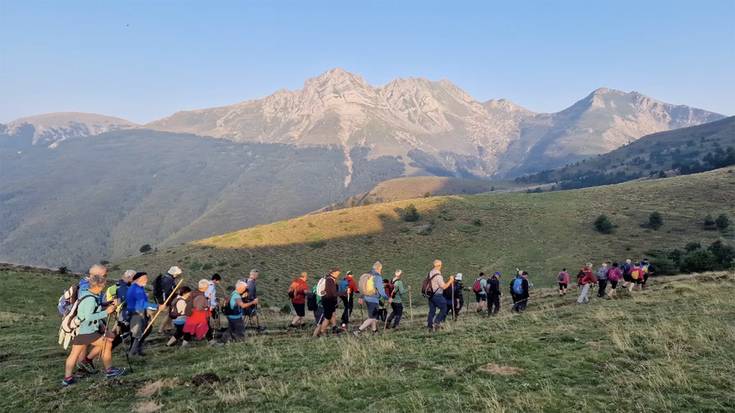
77,187
433,127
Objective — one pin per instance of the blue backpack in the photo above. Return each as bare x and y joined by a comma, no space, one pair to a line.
343,285
518,286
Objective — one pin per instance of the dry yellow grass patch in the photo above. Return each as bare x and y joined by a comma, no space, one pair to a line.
151,388
499,370
148,406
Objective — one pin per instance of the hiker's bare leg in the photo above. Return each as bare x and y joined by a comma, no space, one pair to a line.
71,360
105,347
94,352
365,324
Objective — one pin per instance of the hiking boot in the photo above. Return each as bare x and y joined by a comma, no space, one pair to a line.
87,366
184,343
171,342
68,381
113,372
356,333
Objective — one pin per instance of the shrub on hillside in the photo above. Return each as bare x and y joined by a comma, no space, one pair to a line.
664,266
410,213
603,224
63,270
722,222
709,223
145,248
655,220
692,246
724,254
698,261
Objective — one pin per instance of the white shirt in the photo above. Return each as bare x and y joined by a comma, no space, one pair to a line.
211,293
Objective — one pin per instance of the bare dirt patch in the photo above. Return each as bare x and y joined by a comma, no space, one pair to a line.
499,370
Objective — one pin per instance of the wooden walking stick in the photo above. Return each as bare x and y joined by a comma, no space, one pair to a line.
454,312
410,306
160,308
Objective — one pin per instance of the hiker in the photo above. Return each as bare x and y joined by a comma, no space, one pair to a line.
330,297
92,313
602,279
382,310
297,292
252,295
177,314
371,291
163,287
233,311
479,287
627,268
197,320
396,301
636,277
314,304
433,288
613,276
211,295
455,293
647,271
493,294
138,312
347,286
563,279
519,290
585,282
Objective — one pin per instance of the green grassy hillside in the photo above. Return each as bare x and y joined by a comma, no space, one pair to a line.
399,189
681,151
488,232
669,348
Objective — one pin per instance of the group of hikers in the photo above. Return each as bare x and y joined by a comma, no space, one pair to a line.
96,319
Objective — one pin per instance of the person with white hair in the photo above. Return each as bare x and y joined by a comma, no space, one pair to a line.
252,295
92,313
371,291
233,312
197,323
396,301
436,298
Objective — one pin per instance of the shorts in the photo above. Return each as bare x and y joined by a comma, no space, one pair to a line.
480,297
330,306
372,309
613,284
300,309
563,286
86,339
627,278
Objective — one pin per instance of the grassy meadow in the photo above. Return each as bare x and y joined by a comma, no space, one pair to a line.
488,232
668,348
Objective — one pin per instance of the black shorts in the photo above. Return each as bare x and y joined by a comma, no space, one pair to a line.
300,309
330,306
86,339
480,297
563,286
627,278
613,284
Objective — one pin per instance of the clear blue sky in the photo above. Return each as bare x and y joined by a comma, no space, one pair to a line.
146,59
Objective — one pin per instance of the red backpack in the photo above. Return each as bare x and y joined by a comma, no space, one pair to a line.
477,286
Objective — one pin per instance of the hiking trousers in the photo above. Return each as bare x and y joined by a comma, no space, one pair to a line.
395,315
347,312
437,301
493,304
584,296
236,329
601,285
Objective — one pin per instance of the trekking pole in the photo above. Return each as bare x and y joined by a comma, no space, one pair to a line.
410,307
160,308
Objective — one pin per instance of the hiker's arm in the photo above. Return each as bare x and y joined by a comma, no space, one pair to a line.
449,283
87,307
381,290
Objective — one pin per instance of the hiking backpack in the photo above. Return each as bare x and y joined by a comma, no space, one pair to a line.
477,286
426,289
67,300
518,286
635,273
173,313
70,323
367,284
228,309
389,288
158,288
321,287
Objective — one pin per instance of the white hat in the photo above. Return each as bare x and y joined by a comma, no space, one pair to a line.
175,271
458,277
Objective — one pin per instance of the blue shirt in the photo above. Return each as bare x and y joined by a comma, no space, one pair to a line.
136,298
375,298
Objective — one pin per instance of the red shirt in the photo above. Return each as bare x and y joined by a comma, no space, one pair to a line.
298,286
351,284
